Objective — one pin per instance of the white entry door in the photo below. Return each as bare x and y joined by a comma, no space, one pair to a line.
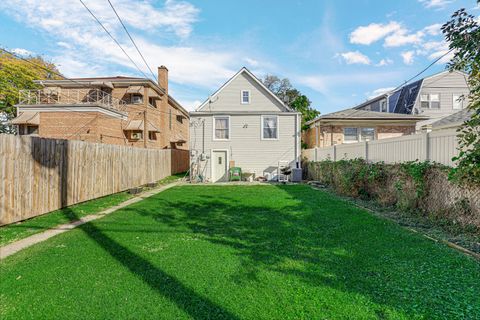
219,166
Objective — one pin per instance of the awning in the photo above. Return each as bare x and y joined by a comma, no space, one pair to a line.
135,89
102,84
153,94
51,90
27,118
138,125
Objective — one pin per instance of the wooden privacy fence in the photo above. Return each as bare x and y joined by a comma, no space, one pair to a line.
41,175
438,147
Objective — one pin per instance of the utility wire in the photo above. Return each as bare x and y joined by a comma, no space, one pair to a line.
112,37
39,66
425,69
131,39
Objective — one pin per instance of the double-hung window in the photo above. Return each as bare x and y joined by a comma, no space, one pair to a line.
245,97
221,129
367,134
430,101
350,135
458,101
269,127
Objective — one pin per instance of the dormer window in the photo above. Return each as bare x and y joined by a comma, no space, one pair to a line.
245,97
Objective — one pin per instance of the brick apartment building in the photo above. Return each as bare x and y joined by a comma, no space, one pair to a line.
115,110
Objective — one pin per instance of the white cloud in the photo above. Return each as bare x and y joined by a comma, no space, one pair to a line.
402,38
437,4
325,83
85,50
251,62
190,105
378,92
434,29
384,62
444,59
408,57
355,57
373,32
22,52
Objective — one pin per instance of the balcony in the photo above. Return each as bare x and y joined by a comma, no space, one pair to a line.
72,98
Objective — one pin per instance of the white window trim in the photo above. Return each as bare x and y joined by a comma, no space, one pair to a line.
351,141
359,134
462,101
229,128
261,126
429,95
249,97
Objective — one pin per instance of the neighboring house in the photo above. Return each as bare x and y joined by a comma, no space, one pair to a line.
453,121
352,125
435,97
114,110
243,124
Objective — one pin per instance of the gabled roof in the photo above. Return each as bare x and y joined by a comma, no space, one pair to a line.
258,81
453,120
354,114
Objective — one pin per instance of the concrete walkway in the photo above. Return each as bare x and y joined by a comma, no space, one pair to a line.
16,246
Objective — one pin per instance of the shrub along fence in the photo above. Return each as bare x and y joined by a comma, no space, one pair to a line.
41,175
411,186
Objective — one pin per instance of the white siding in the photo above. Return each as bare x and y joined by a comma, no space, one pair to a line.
446,85
228,99
438,147
245,146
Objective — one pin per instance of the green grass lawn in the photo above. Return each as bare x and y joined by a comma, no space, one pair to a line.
17,231
240,252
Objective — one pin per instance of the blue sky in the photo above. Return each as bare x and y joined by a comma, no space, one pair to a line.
338,53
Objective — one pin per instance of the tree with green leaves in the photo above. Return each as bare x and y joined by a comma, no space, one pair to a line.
462,33
17,74
284,90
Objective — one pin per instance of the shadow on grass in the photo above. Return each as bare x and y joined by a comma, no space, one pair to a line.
186,299
196,306
333,245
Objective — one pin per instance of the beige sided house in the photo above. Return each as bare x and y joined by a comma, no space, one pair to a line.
114,110
435,97
352,125
243,124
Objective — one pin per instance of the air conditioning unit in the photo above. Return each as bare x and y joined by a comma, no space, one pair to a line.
136,136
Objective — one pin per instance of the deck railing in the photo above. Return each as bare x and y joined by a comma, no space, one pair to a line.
60,96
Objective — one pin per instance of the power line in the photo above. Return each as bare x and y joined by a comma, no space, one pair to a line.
425,69
112,37
176,113
39,66
131,39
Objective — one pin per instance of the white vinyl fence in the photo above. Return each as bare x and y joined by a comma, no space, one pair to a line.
438,147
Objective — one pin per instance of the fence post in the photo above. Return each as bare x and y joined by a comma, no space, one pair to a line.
366,151
425,138
315,154
334,153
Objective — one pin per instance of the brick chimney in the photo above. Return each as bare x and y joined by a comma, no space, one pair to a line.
163,78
